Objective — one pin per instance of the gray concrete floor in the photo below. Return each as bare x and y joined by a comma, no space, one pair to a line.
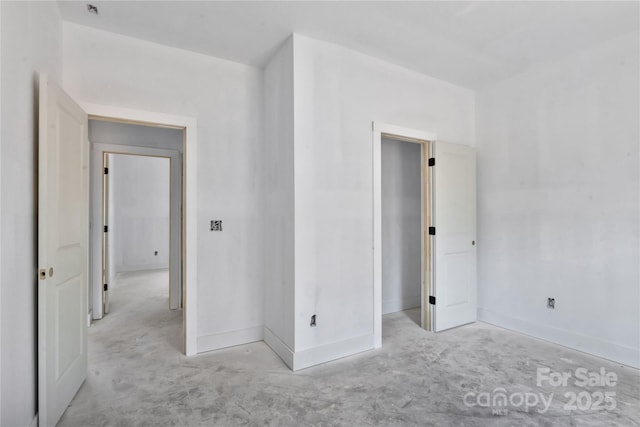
138,377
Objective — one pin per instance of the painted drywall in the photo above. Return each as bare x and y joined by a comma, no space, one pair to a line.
140,199
278,251
338,93
31,43
401,225
105,132
558,204
227,100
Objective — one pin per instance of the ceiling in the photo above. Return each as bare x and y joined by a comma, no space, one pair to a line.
471,44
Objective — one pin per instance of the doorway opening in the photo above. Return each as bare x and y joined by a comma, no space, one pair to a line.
189,164
406,211
402,222
448,230
137,212
137,220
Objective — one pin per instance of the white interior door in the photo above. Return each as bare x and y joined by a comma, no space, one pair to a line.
106,233
454,217
63,225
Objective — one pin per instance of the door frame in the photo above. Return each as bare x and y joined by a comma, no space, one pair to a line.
425,139
99,203
189,202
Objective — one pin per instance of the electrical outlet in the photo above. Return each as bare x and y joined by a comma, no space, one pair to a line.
216,225
551,303
313,321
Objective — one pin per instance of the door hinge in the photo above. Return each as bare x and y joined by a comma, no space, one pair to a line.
106,228
432,161
432,300
432,231
106,171
106,287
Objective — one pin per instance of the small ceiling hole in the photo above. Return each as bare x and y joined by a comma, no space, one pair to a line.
92,9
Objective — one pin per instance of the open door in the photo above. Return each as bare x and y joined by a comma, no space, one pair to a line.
454,246
63,231
106,266
426,313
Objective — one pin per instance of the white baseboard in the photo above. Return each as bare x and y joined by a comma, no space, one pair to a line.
400,304
328,352
229,339
145,267
279,347
34,421
316,355
618,353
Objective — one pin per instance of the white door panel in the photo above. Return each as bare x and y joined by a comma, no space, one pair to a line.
63,215
454,216
106,237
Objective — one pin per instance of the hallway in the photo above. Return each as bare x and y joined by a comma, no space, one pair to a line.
138,376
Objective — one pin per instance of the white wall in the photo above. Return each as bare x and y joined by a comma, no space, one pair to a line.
558,201
226,99
106,132
338,93
140,198
401,225
278,251
31,42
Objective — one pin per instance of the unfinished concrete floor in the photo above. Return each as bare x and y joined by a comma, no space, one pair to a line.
138,377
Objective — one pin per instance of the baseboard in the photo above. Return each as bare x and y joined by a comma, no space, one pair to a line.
607,350
328,352
279,347
145,267
400,304
229,339
34,421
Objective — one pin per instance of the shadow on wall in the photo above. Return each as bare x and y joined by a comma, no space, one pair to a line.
401,225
